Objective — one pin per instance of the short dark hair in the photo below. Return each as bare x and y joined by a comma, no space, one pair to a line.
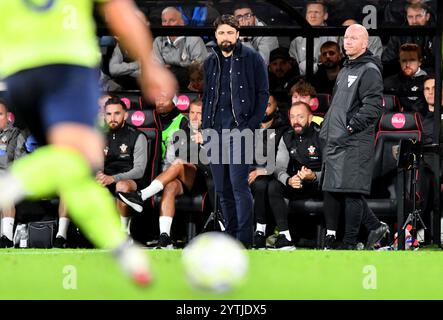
427,77
304,88
242,5
228,19
115,100
417,6
197,102
329,44
325,7
411,47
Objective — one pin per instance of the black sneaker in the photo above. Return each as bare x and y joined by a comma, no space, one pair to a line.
282,243
259,240
5,242
330,242
60,242
132,199
164,242
376,235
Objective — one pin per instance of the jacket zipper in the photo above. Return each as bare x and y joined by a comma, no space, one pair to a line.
217,86
230,87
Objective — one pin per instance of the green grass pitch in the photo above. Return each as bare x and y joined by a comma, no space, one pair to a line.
301,274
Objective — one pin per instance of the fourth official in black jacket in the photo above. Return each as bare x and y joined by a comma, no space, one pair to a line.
349,131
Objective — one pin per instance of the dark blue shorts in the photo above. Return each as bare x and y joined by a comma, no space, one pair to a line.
46,96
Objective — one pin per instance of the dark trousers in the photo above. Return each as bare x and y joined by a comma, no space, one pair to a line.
277,192
231,185
259,189
357,213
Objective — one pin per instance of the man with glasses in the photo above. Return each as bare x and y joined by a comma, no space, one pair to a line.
246,18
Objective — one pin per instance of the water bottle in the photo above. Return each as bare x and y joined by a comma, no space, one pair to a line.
21,236
24,237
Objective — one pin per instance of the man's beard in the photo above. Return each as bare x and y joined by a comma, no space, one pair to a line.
302,130
227,47
116,127
330,65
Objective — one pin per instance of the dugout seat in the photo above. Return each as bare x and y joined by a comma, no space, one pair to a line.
324,101
144,226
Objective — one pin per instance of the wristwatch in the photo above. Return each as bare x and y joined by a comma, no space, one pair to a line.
350,130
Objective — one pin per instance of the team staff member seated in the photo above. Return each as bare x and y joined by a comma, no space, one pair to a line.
125,156
298,168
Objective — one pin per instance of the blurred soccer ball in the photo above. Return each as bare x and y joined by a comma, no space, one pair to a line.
214,261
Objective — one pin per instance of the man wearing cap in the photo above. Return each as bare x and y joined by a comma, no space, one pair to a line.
283,74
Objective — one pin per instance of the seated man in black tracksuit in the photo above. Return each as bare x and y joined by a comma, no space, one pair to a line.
298,168
272,128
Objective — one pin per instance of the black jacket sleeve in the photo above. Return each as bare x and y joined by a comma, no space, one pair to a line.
261,91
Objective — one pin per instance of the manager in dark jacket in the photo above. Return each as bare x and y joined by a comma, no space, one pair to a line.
235,97
348,131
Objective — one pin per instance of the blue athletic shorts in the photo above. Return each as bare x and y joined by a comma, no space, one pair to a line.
46,96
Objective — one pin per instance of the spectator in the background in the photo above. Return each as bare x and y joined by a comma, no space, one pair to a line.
123,69
246,17
171,120
12,147
329,67
316,15
375,45
196,82
178,52
417,14
283,73
407,85
303,91
394,13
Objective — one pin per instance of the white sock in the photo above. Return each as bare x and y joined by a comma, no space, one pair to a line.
155,187
125,223
165,224
7,227
63,224
287,234
421,235
261,227
330,232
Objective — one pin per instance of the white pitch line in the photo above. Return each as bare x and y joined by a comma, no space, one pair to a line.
51,251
